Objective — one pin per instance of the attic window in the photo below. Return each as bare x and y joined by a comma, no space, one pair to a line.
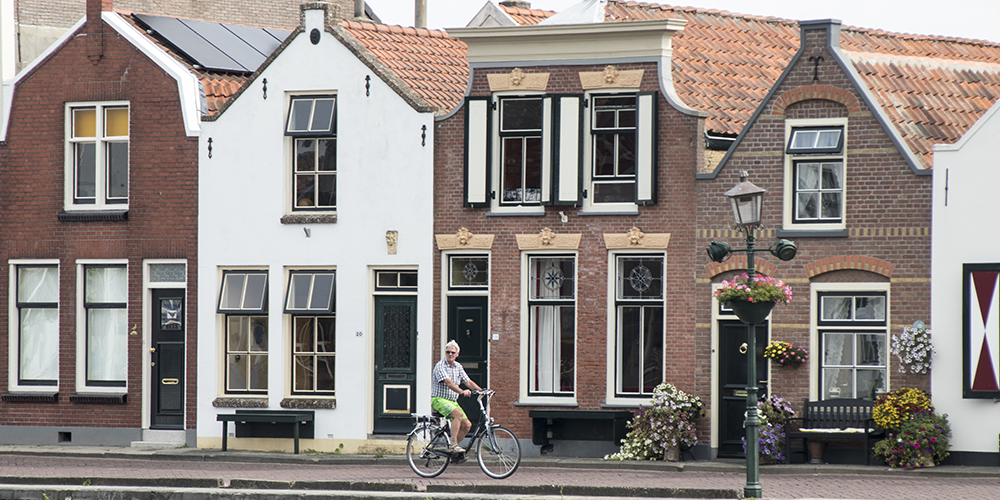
312,116
816,140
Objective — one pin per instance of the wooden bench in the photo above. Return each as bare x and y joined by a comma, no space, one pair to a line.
251,423
833,419
577,425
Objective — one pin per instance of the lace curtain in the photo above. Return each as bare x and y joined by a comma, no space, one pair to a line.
107,327
39,358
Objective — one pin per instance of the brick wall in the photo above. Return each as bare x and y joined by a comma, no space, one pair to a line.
678,156
887,209
162,217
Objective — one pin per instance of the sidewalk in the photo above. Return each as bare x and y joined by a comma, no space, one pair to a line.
195,474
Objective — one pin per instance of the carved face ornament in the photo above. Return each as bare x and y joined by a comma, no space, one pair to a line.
635,236
610,73
516,77
464,236
547,235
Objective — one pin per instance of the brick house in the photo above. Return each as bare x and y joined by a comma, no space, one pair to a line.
100,207
340,204
863,268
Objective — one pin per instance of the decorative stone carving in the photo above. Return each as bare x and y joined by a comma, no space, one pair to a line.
464,240
518,80
635,238
547,239
611,77
391,241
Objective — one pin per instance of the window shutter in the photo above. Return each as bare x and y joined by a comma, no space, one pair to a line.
547,151
645,136
477,151
567,149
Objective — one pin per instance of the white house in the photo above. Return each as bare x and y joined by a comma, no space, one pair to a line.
315,226
965,302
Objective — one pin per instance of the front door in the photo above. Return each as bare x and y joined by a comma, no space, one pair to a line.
167,358
395,363
733,383
468,325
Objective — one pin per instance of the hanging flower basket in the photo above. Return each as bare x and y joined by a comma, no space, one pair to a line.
751,312
752,298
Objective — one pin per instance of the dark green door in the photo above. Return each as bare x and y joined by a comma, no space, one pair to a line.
468,325
167,357
733,383
395,363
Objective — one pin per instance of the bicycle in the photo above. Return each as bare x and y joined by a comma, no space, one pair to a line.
497,449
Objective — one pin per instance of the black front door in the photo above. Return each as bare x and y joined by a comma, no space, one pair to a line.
167,357
395,363
733,383
468,325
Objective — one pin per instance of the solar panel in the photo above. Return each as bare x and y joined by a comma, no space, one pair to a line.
281,35
260,39
229,44
187,41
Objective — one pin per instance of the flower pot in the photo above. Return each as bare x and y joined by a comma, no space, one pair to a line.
816,449
673,454
751,312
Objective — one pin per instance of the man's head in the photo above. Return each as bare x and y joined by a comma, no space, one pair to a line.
451,350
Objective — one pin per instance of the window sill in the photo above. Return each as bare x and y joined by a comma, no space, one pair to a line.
566,404
309,219
99,399
30,397
93,216
811,233
239,402
500,213
595,213
309,404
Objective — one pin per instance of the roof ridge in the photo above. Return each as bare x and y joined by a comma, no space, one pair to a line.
393,28
914,36
527,12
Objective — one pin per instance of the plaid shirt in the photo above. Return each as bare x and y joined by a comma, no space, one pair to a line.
444,371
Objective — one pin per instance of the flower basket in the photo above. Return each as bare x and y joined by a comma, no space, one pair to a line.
751,312
913,348
753,297
786,353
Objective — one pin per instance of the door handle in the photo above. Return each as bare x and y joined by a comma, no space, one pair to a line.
743,348
152,349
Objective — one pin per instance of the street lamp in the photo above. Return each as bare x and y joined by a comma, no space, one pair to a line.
746,200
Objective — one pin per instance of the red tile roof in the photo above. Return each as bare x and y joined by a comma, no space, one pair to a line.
527,17
430,62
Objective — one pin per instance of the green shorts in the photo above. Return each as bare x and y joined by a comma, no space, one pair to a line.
444,406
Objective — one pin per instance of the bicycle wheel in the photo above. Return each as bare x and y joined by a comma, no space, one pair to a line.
420,451
499,461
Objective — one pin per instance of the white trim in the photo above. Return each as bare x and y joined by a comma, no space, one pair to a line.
788,193
815,288
189,89
524,397
147,335
100,160
586,180
81,330
288,333
13,350
445,293
494,167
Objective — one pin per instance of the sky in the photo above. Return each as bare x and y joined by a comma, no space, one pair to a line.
976,19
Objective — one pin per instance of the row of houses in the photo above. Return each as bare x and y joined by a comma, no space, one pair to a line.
300,216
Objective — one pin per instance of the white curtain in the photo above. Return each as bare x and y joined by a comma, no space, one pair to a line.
546,326
39,328
107,328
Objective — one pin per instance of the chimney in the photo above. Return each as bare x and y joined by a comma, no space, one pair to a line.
359,9
95,28
516,3
420,14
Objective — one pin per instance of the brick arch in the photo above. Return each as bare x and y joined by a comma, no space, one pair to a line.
825,92
739,264
845,262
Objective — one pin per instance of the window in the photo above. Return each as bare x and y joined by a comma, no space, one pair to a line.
310,299
613,163
312,126
816,175
396,280
469,272
521,150
37,303
243,301
640,324
551,325
853,337
97,156
105,304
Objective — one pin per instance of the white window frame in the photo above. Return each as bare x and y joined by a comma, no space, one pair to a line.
222,327
13,322
788,215
613,397
496,161
558,398
101,201
815,289
290,138
287,348
81,328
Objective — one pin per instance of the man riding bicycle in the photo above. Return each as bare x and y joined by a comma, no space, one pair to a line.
448,374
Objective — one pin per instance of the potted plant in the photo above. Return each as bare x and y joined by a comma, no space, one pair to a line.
913,348
894,408
659,431
921,441
752,297
786,353
773,412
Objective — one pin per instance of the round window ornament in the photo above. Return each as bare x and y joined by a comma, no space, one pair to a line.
314,36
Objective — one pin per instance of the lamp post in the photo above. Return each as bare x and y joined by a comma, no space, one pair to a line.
746,200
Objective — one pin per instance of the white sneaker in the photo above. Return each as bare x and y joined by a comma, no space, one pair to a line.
454,448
